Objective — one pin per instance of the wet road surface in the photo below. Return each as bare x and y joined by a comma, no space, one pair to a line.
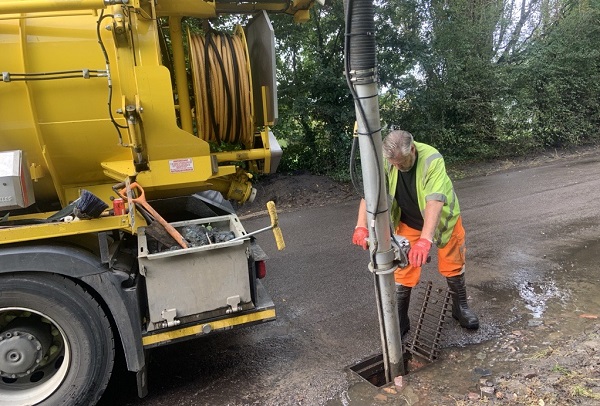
531,240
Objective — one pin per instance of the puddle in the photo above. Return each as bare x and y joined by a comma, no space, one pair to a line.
527,319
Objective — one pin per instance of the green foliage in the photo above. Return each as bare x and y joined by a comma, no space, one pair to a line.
581,390
475,79
315,107
560,369
484,86
564,72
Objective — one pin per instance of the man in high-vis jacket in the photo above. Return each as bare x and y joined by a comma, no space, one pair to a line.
424,209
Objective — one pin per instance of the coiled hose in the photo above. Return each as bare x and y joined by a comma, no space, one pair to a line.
221,79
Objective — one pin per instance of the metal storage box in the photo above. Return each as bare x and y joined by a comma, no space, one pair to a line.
201,282
16,188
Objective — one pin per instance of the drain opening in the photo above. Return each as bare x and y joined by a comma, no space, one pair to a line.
422,344
371,370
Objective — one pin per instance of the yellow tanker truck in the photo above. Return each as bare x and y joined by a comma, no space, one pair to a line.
107,103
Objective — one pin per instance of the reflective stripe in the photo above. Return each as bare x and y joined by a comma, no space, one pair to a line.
439,197
428,162
444,223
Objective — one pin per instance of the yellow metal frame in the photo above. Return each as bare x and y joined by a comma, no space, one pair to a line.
185,108
61,229
41,6
214,326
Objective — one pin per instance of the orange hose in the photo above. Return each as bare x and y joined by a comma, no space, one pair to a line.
238,107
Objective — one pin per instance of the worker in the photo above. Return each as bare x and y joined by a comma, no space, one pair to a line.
424,210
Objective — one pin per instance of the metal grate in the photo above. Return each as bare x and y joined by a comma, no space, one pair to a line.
427,317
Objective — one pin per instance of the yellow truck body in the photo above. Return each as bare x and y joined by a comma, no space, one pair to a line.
96,95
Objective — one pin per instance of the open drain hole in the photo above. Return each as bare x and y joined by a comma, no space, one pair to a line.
372,369
422,344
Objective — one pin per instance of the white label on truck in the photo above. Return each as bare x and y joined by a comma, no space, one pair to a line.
181,165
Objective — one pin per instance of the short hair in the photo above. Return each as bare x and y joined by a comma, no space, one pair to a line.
397,144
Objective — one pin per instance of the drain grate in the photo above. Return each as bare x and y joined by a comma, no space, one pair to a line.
427,317
428,311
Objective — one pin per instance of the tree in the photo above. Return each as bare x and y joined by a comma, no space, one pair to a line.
475,78
316,110
564,71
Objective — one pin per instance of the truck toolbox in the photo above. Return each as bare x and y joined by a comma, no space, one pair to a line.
198,282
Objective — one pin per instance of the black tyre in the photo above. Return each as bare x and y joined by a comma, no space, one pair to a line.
56,343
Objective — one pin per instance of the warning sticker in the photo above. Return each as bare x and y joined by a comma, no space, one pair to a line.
181,165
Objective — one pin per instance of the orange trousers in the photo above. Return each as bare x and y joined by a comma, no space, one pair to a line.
451,258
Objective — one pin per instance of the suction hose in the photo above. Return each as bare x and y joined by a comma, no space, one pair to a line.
362,51
361,74
221,78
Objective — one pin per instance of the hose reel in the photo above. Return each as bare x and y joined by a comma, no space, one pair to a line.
222,86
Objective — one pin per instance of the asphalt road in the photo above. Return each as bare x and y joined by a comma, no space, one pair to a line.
523,229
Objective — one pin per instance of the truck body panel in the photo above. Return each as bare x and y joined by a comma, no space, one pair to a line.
98,96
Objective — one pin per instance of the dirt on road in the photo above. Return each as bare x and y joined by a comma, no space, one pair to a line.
294,190
544,365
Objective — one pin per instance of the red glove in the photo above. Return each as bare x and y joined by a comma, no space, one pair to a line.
360,237
419,252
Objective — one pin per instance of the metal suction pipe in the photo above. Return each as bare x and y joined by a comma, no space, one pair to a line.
361,73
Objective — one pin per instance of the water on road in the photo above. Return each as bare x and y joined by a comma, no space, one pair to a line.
532,243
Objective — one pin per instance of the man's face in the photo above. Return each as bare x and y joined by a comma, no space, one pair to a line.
405,163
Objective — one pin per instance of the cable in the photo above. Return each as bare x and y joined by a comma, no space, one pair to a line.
127,14
163,45
110,90
221,79
140,12
70,74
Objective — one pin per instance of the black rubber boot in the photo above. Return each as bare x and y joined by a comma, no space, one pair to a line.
460,308
403,298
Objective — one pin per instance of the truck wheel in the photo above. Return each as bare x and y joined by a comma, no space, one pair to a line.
56,343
